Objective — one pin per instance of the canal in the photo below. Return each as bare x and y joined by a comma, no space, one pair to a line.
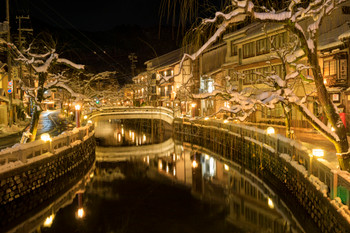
144,181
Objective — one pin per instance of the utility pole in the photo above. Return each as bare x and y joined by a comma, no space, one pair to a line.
133,58
9,68
20,43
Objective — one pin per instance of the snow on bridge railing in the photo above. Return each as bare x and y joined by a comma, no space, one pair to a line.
325,172
130,110
21,154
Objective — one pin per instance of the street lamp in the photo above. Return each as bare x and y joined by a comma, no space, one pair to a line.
46,138
270,131
318,153
193,105
77,115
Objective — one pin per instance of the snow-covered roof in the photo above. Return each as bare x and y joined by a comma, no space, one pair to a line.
167,59
331,38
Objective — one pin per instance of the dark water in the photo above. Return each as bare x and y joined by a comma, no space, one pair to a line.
182,189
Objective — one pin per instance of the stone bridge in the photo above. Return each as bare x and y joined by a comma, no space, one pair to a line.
160,113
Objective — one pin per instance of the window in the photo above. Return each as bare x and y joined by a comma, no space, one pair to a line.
262,71
234,50
278,70
262,46
249,50
329,68
249,76
279,40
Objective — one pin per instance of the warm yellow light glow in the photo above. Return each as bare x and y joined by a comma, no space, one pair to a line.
225,121
332,129
193,105
71,113
317,152
147,159
194,164
270,203
270,131
85,117
89,121
122,131
174,172
81,213
77,107
91,175
45,137
144,138
206,157
133,136
325,81
160,164
167,169
226,167
119,137
48,221
206,118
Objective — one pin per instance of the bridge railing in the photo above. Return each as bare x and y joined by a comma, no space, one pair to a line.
336,180
20,153
133,109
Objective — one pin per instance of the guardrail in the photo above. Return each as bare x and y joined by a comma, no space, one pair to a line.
335,179
20,153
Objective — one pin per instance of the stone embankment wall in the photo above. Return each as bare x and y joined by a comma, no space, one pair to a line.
26,188
290,183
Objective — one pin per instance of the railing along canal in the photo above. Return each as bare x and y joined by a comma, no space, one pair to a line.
284,163
22,152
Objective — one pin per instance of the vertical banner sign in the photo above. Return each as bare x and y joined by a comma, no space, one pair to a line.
10,87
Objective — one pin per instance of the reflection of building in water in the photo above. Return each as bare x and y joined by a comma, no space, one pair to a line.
130,132
252,210
248,204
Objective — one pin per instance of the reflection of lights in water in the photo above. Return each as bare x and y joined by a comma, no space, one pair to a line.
211,166
160,164
144,138
140,141
129,133
167,168
174,172
147,159
122,131
119,137
194,164
226,167
48,221
80,213
133,136
270,203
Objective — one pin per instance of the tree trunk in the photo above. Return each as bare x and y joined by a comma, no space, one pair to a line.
333,117
34,124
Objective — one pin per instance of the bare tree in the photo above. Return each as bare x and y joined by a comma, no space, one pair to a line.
292,17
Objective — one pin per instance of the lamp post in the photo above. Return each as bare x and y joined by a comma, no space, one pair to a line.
77,115
318,153
193,105
46,138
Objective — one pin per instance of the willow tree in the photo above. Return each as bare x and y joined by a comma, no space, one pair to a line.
304,19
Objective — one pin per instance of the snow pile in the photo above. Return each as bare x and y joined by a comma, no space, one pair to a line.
341,208
319,185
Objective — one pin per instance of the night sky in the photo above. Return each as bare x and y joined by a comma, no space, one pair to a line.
88,15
